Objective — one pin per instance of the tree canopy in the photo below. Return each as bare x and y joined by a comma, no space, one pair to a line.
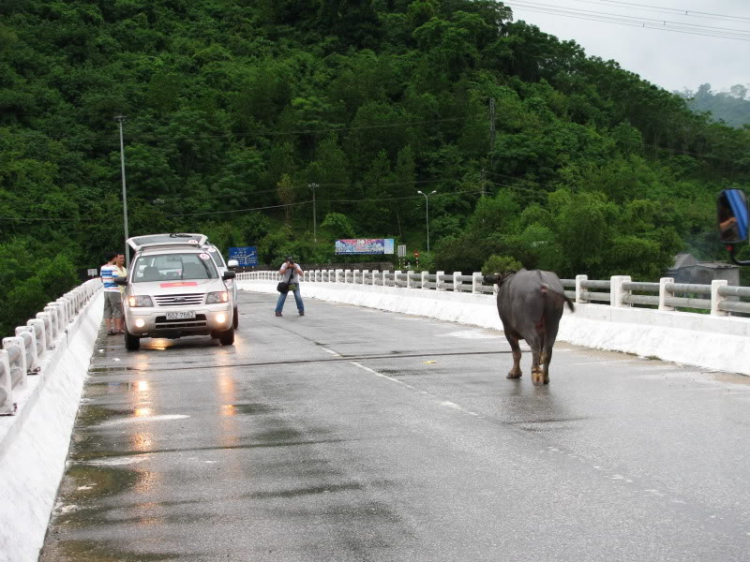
235,108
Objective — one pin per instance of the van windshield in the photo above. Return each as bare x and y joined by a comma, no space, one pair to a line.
171,267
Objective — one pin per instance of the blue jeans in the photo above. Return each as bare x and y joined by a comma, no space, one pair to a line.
297,299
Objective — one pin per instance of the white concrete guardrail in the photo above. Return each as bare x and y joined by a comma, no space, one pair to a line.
654,320
42,370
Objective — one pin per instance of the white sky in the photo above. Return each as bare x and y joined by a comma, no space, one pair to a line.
671,60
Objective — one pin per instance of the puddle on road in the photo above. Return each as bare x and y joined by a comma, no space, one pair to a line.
90,551
90,415
250,409
311,491
97,370
83,483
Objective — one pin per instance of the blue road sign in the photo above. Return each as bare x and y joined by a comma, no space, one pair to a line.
247,256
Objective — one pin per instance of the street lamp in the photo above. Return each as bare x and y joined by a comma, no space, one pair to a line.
427,214
313,186
121,118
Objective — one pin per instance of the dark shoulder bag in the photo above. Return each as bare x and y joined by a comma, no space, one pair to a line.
283,286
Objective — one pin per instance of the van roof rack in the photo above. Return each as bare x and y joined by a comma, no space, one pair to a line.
168,239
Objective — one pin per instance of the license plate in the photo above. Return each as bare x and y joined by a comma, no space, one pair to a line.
180,315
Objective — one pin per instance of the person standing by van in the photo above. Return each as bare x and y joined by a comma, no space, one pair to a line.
121,272
112,298
290,273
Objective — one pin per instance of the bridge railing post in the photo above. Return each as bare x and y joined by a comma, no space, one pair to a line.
39,335
49,332
52,315
439,283
717,298
579,288
457,283
32,351
6,385
617,292
665,293
18,369
476,282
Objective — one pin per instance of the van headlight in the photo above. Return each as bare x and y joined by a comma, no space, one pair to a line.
217,297
140,300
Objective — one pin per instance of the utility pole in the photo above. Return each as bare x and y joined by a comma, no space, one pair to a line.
120,119
492,129
427,215
492,141
314,186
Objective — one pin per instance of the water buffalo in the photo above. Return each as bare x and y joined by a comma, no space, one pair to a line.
531,304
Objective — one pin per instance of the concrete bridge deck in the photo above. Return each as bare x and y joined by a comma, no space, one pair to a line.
353,434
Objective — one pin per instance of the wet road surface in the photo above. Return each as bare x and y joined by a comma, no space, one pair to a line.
357,435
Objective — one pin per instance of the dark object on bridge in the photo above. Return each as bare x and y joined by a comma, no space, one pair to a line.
687,269
733,217
531,304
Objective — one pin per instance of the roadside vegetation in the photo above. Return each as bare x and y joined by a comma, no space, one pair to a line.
234,109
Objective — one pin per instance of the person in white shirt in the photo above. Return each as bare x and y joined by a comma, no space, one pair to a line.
290,273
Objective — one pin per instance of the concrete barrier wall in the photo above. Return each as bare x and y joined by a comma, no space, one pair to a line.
34,444
710,342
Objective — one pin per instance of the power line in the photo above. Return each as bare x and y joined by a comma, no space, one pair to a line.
676,11
313,131
630,21
35,219
633,20
360,200
303,187
665,10
239,210
258,133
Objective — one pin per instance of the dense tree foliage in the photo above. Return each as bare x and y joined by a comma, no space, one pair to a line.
235,108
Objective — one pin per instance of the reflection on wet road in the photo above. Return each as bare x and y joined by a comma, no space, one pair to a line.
357,435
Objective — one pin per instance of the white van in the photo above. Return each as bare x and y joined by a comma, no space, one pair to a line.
174,288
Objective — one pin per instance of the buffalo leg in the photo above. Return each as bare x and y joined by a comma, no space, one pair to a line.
547,353
537,375
545,360
515,372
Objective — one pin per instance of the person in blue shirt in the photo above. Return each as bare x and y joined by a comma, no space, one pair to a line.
112,298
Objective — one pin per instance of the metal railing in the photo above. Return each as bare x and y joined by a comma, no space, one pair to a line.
23,354
719,298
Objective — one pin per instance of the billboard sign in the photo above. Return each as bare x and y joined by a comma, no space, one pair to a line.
246,256
364,246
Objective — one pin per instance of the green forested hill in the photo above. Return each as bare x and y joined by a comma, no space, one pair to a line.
233,108
732,107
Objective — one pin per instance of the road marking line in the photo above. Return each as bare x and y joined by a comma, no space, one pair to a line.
374,372
331,352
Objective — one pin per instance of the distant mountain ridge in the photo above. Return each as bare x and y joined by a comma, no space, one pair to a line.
732,107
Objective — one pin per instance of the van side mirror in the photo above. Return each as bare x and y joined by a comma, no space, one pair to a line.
232,264
733,211
733,216
121,281
228,275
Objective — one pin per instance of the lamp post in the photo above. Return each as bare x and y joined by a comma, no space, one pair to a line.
121,118
313,186
427,214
